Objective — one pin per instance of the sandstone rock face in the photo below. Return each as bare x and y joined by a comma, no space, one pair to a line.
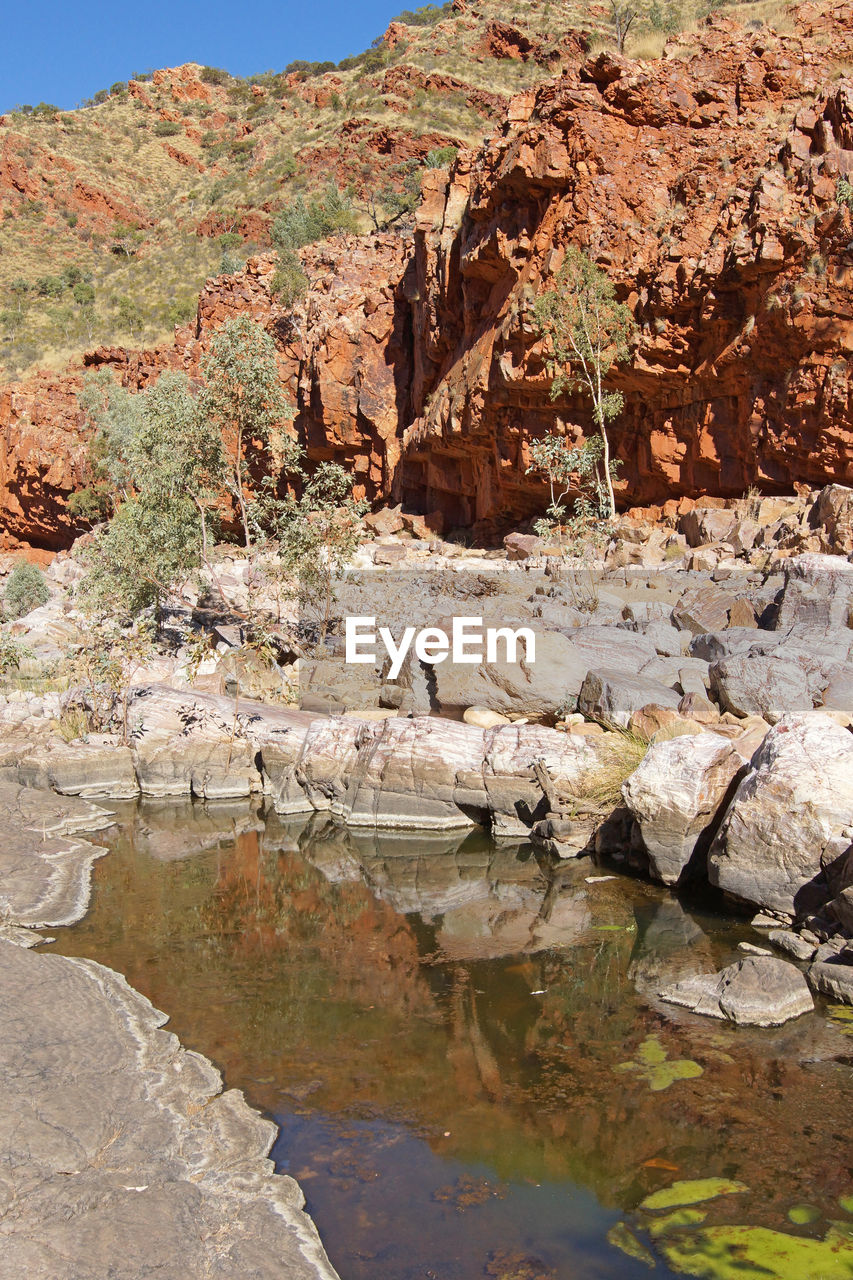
418,364
791,818
124,1155
759,991
675,794
595,160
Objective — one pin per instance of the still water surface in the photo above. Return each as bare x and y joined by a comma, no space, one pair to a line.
464,1052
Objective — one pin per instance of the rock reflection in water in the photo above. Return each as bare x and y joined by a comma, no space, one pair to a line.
420,1011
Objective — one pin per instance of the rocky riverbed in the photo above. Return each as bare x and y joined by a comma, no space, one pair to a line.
689,722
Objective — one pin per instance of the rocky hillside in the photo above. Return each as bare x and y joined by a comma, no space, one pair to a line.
713,185
130,193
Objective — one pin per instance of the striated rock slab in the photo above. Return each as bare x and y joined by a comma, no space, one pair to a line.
123,1157
45,865
758,991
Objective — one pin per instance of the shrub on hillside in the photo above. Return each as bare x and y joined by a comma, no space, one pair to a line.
25,590
214,75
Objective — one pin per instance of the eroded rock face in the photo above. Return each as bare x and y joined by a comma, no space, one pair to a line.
790,820
416,773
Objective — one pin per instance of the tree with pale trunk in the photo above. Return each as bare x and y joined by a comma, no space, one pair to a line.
242,398
589,332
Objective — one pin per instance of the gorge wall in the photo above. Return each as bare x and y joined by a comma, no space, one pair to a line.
709,185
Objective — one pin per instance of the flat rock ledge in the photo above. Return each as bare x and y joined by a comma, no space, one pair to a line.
123,1157
758,991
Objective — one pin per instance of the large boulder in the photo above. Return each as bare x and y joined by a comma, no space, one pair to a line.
759,685
707,524
675,796
613,696
537,689
832,515
818,595
758,991
791,818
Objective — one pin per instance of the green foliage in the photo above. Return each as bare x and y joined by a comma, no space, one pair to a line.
371,60
167,128
100,671
129,315
665,16
157,460
289,283
427,16
26,589
148,550
579,467
440,157
300,223
398,197
230,240
214,75
844,192
314,535
12,653
83,294
589,332
50,286
242,399
230,262
304,69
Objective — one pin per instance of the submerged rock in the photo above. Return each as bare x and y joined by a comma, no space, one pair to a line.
760,991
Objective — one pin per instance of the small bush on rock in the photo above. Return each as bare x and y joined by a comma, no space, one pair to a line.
25,590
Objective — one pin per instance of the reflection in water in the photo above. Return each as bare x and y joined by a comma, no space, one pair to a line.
463,1046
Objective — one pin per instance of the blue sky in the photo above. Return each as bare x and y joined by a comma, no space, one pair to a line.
60,51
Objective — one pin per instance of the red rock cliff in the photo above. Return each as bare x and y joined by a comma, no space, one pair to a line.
706,185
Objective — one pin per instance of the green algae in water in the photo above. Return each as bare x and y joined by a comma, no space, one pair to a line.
846,1203
802,1214
842,1016
622,1237
693,1192
757,1253
678,1218
652,1064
